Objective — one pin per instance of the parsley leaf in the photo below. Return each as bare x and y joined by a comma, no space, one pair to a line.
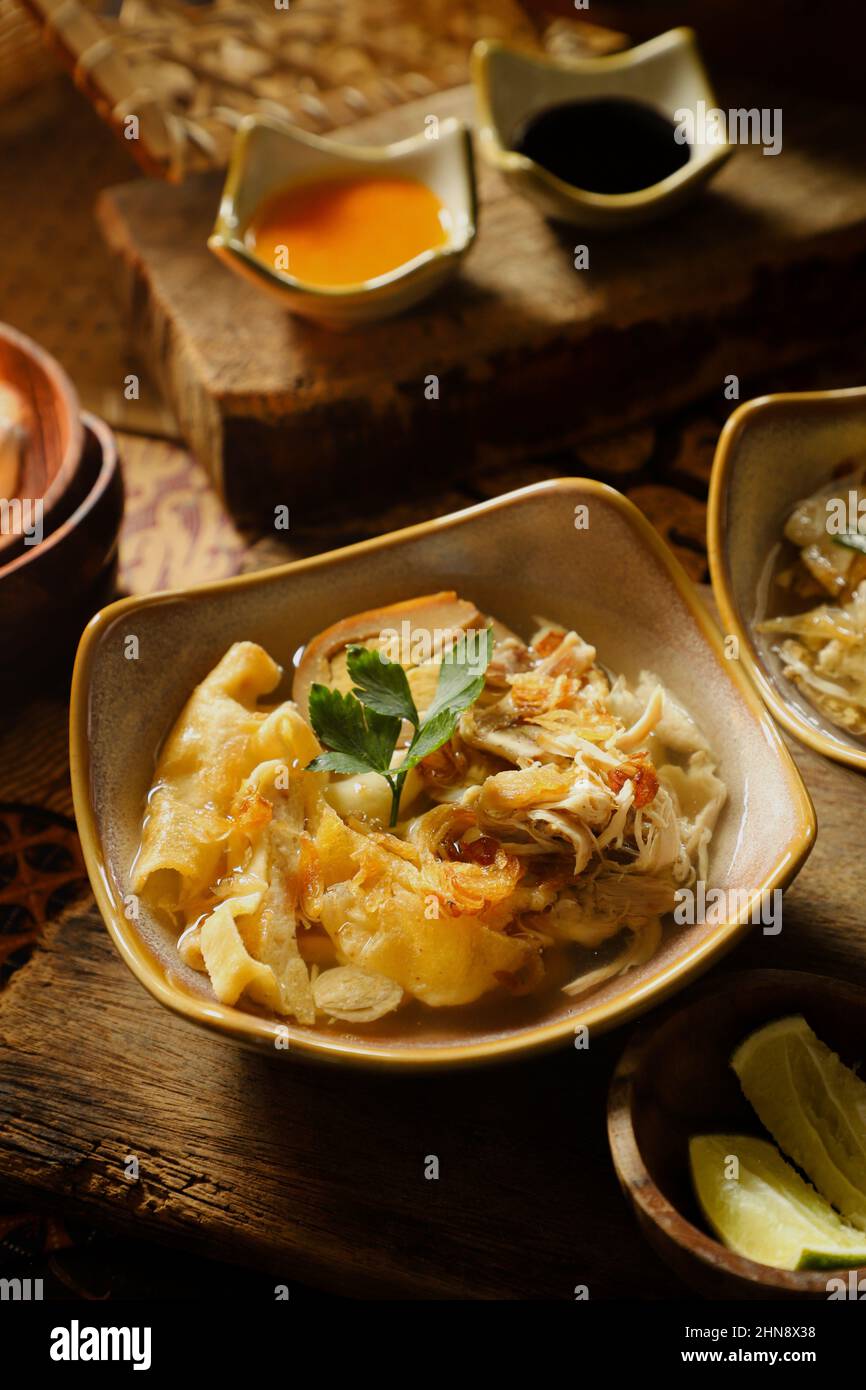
460,682
381,685
432,734
357,736
360,730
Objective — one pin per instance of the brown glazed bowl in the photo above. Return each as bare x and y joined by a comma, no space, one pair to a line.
54,434
674,1080
516,556
48,591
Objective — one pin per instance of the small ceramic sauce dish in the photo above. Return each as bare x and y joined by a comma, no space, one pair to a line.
346,234
593,141
773,453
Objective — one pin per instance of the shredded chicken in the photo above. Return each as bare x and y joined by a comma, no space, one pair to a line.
581,795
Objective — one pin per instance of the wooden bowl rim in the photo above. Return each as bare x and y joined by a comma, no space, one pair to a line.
632,1172
67,394
104,437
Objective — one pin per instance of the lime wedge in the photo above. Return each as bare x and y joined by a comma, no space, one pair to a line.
767,1212
814,1107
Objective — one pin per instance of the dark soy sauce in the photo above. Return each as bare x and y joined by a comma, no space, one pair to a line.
604,145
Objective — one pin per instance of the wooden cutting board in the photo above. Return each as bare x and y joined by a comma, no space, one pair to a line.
765,267
318,1175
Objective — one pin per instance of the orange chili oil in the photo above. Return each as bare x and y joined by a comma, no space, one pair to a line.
336,232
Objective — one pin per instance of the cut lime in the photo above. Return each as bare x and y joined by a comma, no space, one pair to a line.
814,1107
760,1207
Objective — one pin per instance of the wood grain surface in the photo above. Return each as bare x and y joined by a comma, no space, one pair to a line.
763,269
316,1175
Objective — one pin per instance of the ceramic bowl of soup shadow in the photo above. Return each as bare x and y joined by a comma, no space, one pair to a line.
772,453
675,1081
635,96
269,157
616,582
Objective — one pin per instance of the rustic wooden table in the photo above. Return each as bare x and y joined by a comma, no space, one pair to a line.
304,1175
317,1175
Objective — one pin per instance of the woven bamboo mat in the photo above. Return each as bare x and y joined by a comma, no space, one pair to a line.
175,79
25,60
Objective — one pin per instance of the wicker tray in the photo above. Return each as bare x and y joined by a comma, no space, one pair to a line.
188,74
24,59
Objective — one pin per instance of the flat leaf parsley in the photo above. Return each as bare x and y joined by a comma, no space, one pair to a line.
360,730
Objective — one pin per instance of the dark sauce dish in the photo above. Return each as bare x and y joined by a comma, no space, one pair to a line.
594,141
603,144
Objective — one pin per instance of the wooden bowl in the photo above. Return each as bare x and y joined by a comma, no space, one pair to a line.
675,1080
55,434
49,591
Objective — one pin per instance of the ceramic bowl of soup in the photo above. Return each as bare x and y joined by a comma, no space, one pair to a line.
346,234
595,141
775,454
613,581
